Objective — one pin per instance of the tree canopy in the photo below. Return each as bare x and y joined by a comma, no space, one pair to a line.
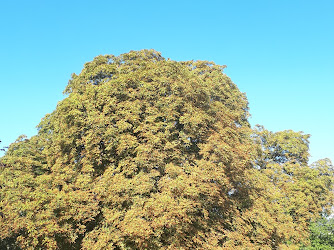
322,234
149,153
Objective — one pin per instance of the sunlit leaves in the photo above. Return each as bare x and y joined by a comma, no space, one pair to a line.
149,153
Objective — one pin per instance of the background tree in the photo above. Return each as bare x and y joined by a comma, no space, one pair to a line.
306,191
322,234
322,230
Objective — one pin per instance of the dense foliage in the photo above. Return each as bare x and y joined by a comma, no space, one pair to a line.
149,153
322,234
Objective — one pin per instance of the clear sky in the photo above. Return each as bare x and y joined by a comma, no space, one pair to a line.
281,53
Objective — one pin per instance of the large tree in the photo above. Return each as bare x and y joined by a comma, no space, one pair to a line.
147,153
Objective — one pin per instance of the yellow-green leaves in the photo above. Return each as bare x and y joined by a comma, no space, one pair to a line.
148,153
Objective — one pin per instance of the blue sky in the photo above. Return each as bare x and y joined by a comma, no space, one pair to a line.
281,53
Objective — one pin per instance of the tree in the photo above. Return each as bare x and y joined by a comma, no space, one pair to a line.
281,147
306,191
322,234
146,153
322,230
